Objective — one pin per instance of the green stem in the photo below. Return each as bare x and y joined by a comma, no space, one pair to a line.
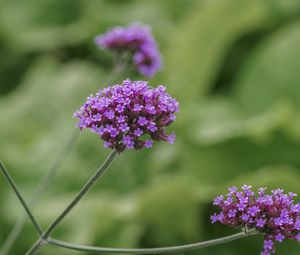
45,235
39,191
47,179
120,63
161,250
21,199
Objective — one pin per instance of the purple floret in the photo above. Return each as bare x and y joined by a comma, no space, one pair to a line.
138,40
129,115
276,216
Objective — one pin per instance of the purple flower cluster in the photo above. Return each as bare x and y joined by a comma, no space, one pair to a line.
130,115
138,40
276,215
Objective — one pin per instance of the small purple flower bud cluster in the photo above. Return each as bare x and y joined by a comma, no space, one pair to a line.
130,115
138,40
276,215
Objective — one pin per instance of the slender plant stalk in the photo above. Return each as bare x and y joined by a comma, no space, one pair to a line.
161,250
22,201
45,235
39,191
46,239
120,64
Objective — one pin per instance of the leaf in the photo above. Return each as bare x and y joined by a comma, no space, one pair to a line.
200,43
271,74
163,204
219,120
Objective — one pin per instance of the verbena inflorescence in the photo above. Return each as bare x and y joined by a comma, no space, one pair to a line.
138,40
130,115
275,215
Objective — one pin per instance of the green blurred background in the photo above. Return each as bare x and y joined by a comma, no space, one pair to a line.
233,65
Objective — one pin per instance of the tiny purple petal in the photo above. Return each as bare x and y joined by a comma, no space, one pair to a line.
172,138
148,144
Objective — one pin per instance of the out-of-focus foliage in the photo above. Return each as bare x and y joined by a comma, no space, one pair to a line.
232,64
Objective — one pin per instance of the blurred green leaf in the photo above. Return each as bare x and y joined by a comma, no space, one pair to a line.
163,205
270,75
218,120
200,43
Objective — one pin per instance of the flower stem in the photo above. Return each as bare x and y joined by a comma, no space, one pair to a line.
119,66
161,250
39,191
45,235
121,61
21,199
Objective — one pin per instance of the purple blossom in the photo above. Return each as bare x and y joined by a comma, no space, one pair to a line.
231,213
121,119
252,211
109,114
94,128
243,200
129,112
219,200
268,244
279,237
109,128
148,144
138,132
245,217
127,140
261,191
260,223
239,195
214,218
278,222
152,127
276,216
107,144
120,108
97,117
297,224
246,187
137,107
138,40
150,109
233,189
292,194
101,130
124,127
241,206
171,138
148,59
113,132
142,121
228,201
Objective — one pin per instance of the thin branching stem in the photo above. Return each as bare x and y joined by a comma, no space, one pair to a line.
160,250
40,190
45,235
119,66
21,199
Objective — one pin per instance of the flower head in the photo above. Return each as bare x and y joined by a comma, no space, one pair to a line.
130,115
138,40
277,216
